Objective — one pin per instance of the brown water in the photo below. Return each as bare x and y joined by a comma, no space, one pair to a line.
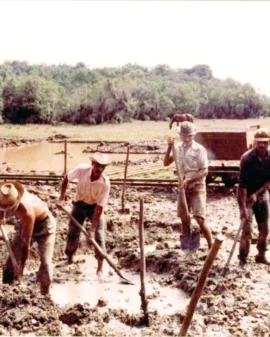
85,287
48,157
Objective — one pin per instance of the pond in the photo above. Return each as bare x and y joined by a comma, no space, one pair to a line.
50,157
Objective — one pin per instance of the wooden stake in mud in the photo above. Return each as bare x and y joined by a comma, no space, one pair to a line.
125,178
11,255
200,285
65,157
142,293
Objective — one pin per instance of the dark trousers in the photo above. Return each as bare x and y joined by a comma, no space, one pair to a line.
80,212
261,212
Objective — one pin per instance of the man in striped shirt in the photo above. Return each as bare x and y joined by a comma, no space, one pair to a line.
91,197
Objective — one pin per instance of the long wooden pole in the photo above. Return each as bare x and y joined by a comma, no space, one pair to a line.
144,301
200,285
125,178
94,243
65,157
233,246
182,193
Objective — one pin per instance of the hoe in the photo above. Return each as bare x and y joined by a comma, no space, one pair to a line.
94,243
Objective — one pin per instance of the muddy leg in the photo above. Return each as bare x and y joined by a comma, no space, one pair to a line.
206,231
45,273
100,239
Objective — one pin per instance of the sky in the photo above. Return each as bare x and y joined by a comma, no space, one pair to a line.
232,37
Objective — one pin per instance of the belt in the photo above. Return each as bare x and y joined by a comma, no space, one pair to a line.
40,222
83,204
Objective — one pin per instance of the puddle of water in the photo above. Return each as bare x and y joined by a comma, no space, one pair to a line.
43,157
85,287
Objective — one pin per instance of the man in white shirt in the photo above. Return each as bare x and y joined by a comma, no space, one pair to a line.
91,197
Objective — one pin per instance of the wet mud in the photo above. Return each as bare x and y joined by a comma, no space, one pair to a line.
232,304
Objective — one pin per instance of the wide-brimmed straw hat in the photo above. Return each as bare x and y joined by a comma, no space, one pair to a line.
11,193
101,158
262,135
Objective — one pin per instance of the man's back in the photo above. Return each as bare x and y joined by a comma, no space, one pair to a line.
31,206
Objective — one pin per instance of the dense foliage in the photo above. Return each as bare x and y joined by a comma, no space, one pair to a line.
80,95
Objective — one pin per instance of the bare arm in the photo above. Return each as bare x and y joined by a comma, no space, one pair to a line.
242,201
63,188
26,236
197,176
253,197
168,159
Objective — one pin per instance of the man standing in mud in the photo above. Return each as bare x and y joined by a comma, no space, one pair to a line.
253,195
91,197
195,168
36,224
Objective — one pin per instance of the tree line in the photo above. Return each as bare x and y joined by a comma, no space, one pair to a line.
79,95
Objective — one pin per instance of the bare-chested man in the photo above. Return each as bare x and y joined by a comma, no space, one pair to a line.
36,224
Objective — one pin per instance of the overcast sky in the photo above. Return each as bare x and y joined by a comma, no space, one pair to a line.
232,37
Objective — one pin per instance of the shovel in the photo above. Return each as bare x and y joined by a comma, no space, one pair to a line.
189,241
94,243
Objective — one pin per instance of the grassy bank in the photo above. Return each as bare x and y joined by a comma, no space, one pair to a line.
137,130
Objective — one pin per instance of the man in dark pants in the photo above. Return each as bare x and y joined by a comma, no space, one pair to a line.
91,197
253,195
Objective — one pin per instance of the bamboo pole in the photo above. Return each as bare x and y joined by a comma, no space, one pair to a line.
125,177
144,301
200,285
65,157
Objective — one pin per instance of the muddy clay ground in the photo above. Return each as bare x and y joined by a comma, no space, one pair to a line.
79,305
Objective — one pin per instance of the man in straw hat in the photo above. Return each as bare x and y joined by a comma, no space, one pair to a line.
253,195
36,224
91,197
194,162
